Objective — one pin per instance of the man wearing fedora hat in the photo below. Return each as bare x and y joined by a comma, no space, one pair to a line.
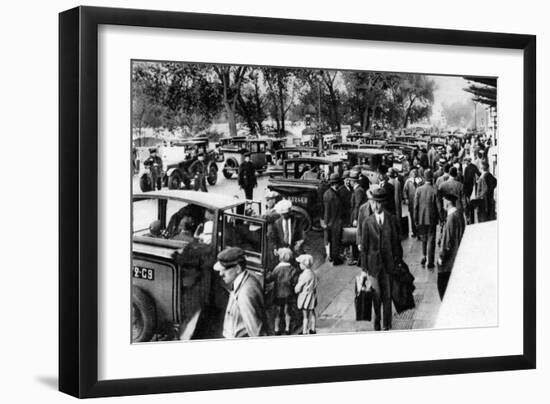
450,241
199,168
345,191
381,251
333,219
287,230
245,314
247,176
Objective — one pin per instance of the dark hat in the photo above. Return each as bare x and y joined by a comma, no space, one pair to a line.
453,172
229,257
345,174
377,194
354,174
428,175
152,150
392,172
334,178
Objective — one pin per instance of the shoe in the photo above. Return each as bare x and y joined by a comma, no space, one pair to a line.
431,266
312,332
277,332
423,261
387,328
287,332
377,326
352,262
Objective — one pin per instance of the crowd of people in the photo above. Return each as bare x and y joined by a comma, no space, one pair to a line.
448,187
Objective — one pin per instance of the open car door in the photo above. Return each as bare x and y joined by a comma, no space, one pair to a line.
248,233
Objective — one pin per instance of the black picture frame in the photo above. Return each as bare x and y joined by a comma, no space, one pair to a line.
78,196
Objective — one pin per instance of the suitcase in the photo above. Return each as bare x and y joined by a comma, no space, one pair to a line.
349,236
404,226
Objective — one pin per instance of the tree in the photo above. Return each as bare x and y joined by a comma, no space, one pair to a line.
282,88
252,101
416,92
231,78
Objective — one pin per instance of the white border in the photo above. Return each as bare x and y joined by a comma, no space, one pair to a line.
118,359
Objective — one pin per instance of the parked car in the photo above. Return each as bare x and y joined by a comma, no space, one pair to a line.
286,153
273,144
180,175
369,161
234,155
175,292
303,182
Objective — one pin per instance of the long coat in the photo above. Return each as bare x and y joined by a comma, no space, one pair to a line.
450,240
245,313
426,210
470,173
358,198
485,193
455,188
398,191
277,235
365,210
247,175
380,246
389,203
333,208
345,194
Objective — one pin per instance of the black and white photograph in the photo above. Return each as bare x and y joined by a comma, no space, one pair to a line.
293,201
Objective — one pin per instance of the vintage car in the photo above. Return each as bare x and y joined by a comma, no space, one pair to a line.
175,292
369,161
222,143
341,149
303,182
234,155
286,153
273,144
181,174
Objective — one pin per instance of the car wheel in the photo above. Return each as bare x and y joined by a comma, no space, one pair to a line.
212,177
302,214
143,316
175,181
145,183
226,173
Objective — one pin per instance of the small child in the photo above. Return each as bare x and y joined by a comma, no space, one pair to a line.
283,275
306,288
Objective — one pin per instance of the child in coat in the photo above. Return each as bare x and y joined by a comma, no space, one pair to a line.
306,289
283,276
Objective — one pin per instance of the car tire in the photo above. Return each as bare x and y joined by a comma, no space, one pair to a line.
175,181
145,183
303,215
143,316
212,176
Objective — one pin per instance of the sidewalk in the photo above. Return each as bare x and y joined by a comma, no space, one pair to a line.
336,294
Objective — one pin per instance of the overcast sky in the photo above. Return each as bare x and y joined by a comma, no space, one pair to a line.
450,90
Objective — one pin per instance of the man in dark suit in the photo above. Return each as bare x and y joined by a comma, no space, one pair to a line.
358,198
333,219
381,251
486,194
287,230
345,193
455,187
247,176
450,241
389,203
426,216
154,163
471,173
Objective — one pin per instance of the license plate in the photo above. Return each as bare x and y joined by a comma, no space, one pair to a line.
299,199
144,273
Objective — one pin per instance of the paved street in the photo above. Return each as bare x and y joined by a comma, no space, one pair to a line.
336,292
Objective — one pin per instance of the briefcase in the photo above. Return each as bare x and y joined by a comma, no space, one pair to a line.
363,299
349,236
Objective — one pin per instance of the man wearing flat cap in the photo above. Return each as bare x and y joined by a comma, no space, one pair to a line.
247,176
380,253
450,241
333,219
245,314
154,163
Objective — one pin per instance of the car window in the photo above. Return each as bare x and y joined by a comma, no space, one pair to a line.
242,232
144,213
